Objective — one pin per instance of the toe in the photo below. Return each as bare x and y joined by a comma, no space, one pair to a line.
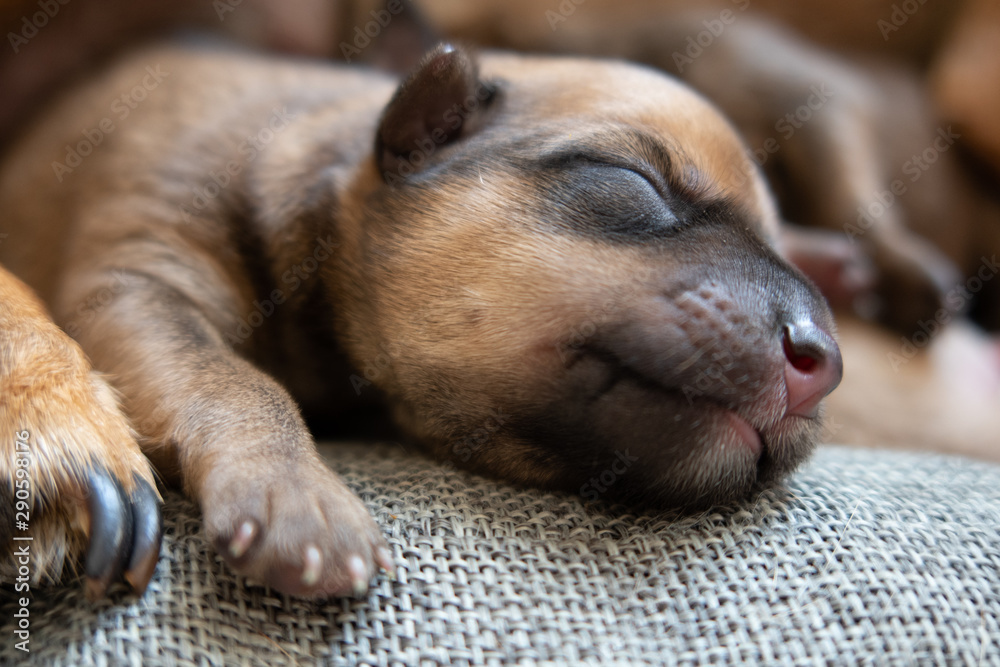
359,575
313,539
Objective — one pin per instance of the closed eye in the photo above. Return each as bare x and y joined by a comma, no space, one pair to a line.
645,171
611,200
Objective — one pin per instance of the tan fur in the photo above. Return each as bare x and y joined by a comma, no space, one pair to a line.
206,407
73,423
470,297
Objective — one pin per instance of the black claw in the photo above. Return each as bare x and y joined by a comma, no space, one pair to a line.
110,532
147,530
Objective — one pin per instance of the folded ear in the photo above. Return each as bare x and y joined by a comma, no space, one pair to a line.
437,104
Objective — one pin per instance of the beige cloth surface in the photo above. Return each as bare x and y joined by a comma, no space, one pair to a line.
861,558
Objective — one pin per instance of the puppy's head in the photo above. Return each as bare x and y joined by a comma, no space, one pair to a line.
565,268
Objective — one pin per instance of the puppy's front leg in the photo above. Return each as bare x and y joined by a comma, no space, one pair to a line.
271,507
71,473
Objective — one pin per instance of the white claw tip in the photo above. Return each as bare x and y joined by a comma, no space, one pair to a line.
384,559
243,539
313,563
359,575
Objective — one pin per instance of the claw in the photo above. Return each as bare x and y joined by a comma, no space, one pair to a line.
148,529
313,566
110,532
359,575
385,561
242,539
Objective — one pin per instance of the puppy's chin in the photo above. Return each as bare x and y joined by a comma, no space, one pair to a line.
636,444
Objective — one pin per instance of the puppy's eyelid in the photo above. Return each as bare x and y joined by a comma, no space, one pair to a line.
641,168
659,181
648,173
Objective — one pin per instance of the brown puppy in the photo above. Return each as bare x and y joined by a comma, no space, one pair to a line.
552,270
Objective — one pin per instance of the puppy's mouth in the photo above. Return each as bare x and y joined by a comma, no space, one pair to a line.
686,449
714,448
745,435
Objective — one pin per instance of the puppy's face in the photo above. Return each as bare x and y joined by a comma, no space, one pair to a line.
578,289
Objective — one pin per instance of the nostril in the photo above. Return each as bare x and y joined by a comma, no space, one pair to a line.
814,367
805,344
802,362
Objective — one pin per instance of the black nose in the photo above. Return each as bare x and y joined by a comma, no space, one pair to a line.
813,367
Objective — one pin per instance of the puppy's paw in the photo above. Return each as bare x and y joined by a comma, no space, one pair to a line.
843,271
72,477
914,279
295,527
80,485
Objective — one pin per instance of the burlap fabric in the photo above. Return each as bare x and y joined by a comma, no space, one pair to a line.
862,558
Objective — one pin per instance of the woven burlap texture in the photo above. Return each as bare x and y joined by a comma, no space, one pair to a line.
861,558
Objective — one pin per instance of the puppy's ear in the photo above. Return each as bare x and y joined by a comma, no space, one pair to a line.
440,102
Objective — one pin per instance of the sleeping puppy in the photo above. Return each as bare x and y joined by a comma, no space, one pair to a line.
547,268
